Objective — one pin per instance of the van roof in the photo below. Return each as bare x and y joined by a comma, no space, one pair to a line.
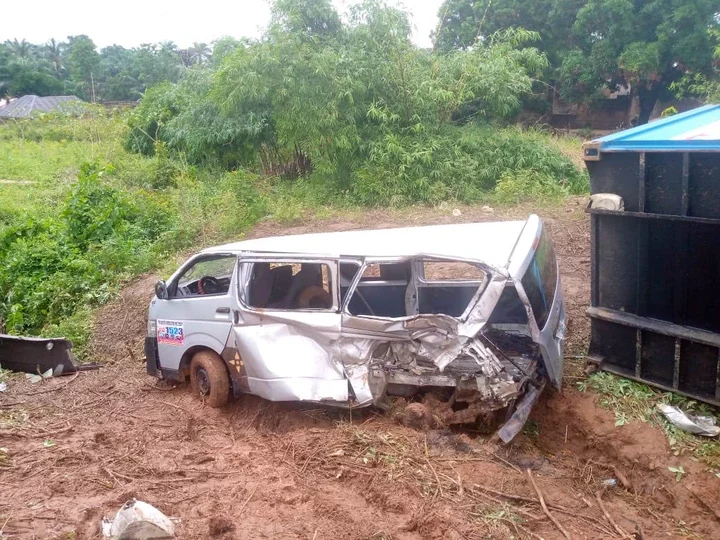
491,242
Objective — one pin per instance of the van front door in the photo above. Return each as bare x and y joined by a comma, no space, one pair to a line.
198,310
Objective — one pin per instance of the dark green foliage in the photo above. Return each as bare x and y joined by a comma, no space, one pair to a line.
358,106
53,266
459,163
648,44
112,74
183,118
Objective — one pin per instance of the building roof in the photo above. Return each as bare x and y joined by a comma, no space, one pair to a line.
491,243
25,106
697,129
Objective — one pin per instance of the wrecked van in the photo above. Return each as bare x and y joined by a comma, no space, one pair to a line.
474,312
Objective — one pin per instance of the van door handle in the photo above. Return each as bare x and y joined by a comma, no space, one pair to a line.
222,310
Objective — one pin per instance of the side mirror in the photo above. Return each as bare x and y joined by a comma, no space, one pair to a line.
161,290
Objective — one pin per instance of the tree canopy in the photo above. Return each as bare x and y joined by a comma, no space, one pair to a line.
114,73
354,102
648,44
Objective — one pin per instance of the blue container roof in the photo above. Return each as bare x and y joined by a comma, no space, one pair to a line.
694,130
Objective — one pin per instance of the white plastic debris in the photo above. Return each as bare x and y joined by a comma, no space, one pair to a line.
138,520
607,201
457,212
3,386
610,482
699,425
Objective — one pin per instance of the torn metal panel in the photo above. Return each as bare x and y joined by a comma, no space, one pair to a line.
38,355
300,389
518,419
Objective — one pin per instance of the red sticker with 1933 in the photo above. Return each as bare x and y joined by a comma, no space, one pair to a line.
170,332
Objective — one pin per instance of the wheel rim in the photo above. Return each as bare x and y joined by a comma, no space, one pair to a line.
203,382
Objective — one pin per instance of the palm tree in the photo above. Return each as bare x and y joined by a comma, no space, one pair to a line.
54,53
200,53
20,50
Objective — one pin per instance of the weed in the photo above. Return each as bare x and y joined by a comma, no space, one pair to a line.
679,472
634,401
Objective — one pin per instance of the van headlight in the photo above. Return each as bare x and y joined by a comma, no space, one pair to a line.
151,328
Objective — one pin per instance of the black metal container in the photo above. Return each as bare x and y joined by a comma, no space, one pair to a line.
655,305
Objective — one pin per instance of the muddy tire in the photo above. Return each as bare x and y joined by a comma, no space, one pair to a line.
209,379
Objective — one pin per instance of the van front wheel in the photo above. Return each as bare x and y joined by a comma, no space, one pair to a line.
209,378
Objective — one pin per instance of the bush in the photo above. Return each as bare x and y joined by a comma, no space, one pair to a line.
357,107
56,265
459,163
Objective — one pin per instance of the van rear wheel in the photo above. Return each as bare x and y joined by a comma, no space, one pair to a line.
209,378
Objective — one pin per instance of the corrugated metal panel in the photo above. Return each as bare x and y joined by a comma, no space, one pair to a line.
698,129
27,105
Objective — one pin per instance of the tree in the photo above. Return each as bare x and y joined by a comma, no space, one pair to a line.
83,63
156,63
119,74
199,53
20,51
54,52
224,46
648,44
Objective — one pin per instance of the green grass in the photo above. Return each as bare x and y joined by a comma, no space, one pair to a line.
68,246
51,148
632,401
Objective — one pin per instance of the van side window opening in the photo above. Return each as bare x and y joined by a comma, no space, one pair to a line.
208,276
540,280
448,287
443,287
381,290
290,285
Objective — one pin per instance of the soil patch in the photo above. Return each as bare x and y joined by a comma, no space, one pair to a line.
77,450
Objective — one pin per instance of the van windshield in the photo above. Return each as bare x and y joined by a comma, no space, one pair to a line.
540,280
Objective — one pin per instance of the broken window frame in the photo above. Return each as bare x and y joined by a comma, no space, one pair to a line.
245,267
416,261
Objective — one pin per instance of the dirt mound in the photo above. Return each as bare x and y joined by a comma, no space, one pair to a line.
120,327
78,448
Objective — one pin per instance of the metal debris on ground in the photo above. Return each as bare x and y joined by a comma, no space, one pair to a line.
138,520
38,355
699,425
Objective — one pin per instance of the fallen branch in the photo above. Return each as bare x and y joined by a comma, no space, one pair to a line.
525,513
506,462
704,504
523,499
437,479
607,515
545,508
247,501
12,403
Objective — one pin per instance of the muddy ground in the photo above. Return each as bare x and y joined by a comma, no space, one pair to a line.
78,447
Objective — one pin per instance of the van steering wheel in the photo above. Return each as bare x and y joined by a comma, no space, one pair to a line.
209,285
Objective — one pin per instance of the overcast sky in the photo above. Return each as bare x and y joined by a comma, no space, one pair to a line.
132,22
